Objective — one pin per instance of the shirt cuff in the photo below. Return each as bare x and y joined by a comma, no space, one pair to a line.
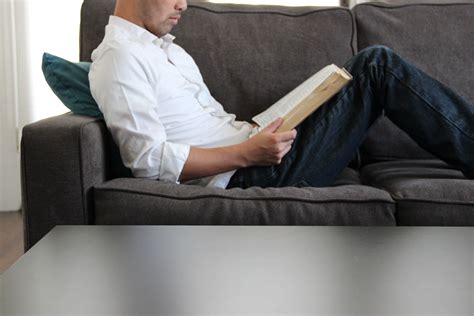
173,160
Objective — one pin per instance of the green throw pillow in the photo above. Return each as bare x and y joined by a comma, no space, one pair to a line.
70,82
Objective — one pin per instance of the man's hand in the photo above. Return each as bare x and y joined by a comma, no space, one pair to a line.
268,147
264,149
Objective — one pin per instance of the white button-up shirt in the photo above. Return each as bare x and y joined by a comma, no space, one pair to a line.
155,103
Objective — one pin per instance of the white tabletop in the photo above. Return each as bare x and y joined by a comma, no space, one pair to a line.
235,270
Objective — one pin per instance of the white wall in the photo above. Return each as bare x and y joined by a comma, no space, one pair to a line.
9,155
29,28
54,28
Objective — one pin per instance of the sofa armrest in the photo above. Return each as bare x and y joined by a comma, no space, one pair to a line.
62,158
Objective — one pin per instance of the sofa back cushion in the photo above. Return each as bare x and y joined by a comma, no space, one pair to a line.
94,17
249,56
438,38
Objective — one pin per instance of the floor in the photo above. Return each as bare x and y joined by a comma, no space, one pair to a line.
11,239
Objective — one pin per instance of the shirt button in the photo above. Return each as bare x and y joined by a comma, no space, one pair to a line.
158,42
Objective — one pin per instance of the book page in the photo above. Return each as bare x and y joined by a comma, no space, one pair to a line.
289,101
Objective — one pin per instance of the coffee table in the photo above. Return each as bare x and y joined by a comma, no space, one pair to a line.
235,270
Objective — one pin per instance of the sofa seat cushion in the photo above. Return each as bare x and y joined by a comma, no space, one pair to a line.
141,202
435,37
427,192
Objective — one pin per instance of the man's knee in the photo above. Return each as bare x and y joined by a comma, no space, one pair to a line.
375,52
377,49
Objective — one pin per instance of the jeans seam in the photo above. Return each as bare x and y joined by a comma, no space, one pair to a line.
278,167
338,101
390,70
331,111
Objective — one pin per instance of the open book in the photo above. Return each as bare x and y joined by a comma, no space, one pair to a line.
305,99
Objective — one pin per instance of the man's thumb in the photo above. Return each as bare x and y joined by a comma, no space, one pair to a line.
272,127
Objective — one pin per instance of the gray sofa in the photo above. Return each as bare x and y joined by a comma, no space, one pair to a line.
250,56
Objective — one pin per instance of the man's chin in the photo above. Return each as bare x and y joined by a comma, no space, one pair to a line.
167,29
163,31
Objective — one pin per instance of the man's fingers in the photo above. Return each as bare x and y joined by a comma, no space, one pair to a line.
274,125
286,136
287,150
283,153
285,147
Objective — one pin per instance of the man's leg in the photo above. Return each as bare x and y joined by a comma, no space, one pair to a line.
432,114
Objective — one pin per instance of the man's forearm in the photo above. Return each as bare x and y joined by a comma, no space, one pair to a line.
204,162
264,149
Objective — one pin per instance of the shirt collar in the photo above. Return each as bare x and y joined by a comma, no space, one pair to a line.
136,31
165,41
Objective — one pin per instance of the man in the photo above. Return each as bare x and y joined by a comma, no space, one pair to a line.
169,127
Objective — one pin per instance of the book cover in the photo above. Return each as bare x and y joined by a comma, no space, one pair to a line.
305,99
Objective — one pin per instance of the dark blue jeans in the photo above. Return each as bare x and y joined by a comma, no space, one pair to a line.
438,119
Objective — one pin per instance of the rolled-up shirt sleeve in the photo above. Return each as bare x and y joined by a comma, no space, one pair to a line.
123,89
